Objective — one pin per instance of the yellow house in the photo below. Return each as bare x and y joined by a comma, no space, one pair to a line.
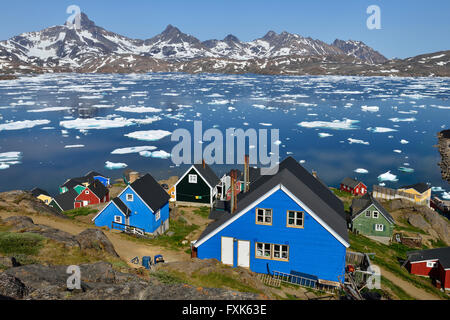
421,192
42,195
171,192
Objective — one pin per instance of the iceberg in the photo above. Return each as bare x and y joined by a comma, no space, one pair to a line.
405,169
387,176
74,146
51,109
351,141
161,154
403,141
150,135
361,170
25,124
402,119
138,109
324,134
133,150
380,129
370,108
96,123
113,166
346,124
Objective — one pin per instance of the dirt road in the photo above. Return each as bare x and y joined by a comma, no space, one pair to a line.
409,288
127,249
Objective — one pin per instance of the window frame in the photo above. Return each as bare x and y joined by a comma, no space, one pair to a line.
373,214
378,229
158,215
272,251
296,212
368,214
115,220
433,264
264,216
130,197
190,178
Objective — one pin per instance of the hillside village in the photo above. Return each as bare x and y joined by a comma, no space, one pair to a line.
243,236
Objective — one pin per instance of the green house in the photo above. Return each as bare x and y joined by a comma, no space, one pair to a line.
197,186
369,218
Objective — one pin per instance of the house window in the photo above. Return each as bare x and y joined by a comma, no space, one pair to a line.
368,214
272,251
431,264
264,216
118,219
375,214
157,215
379,227
192,178
129,197
363,190
263,250
295,219
87,191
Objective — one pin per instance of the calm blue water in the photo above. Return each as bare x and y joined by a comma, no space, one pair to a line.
256,101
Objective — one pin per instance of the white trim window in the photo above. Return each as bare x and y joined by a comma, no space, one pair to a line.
130,197
368,213
263,250
295,219
272,251
192,178
118,219
157,215
264,216
431,264
379,227
375,214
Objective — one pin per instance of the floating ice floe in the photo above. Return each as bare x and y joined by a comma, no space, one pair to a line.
397,151
406,169
96,123
380,129
161,154
370,108
387,176
346,124
265,124
74,146
437,189
324,135
403,141
50,109
351,141
115,165
139,109
133,149
302,161
150,135
361,170
9,158
145,154
25,124
445,195
403,119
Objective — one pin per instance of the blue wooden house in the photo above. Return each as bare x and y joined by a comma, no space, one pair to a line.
289,222
144,204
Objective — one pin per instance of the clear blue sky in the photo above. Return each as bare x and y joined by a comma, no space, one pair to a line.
409,27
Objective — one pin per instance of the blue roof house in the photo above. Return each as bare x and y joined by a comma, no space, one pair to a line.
288,222
144,204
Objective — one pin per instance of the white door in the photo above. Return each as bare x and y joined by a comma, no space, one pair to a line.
227,250
244,254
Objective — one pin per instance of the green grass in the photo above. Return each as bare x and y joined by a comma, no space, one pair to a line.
438,243
85,211
20,243
167,277
341,193
387,258
180,229
202,212
399,292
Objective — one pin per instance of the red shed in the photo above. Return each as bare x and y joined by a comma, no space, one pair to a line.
353,186
95,193
433,263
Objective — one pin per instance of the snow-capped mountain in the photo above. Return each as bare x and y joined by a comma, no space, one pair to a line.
360,50
94,49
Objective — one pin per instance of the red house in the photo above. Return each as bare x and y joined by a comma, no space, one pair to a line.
353,186
95,193
433,263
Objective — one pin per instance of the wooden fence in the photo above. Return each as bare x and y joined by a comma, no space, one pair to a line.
384,193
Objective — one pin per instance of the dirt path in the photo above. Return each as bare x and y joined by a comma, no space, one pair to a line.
409,288
126,249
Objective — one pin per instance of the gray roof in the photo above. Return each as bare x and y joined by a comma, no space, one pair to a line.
151,192
361,204
122,206
419,187
304,186
350,182
209,175
36,192
98,189
66,200
442,254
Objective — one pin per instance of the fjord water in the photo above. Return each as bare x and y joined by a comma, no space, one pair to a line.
302,108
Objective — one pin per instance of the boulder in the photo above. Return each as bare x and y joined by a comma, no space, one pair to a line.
95,239
416,220
11,287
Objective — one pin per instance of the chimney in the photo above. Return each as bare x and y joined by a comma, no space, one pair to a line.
233,191
246,173
203,163
133,176
314,173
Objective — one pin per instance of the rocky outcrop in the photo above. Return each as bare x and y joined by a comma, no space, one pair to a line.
12,287
100,281
24,202
95,239
444,150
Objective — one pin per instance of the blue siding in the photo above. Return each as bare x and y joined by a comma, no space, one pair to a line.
106,217
312,250
103,180
141,216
